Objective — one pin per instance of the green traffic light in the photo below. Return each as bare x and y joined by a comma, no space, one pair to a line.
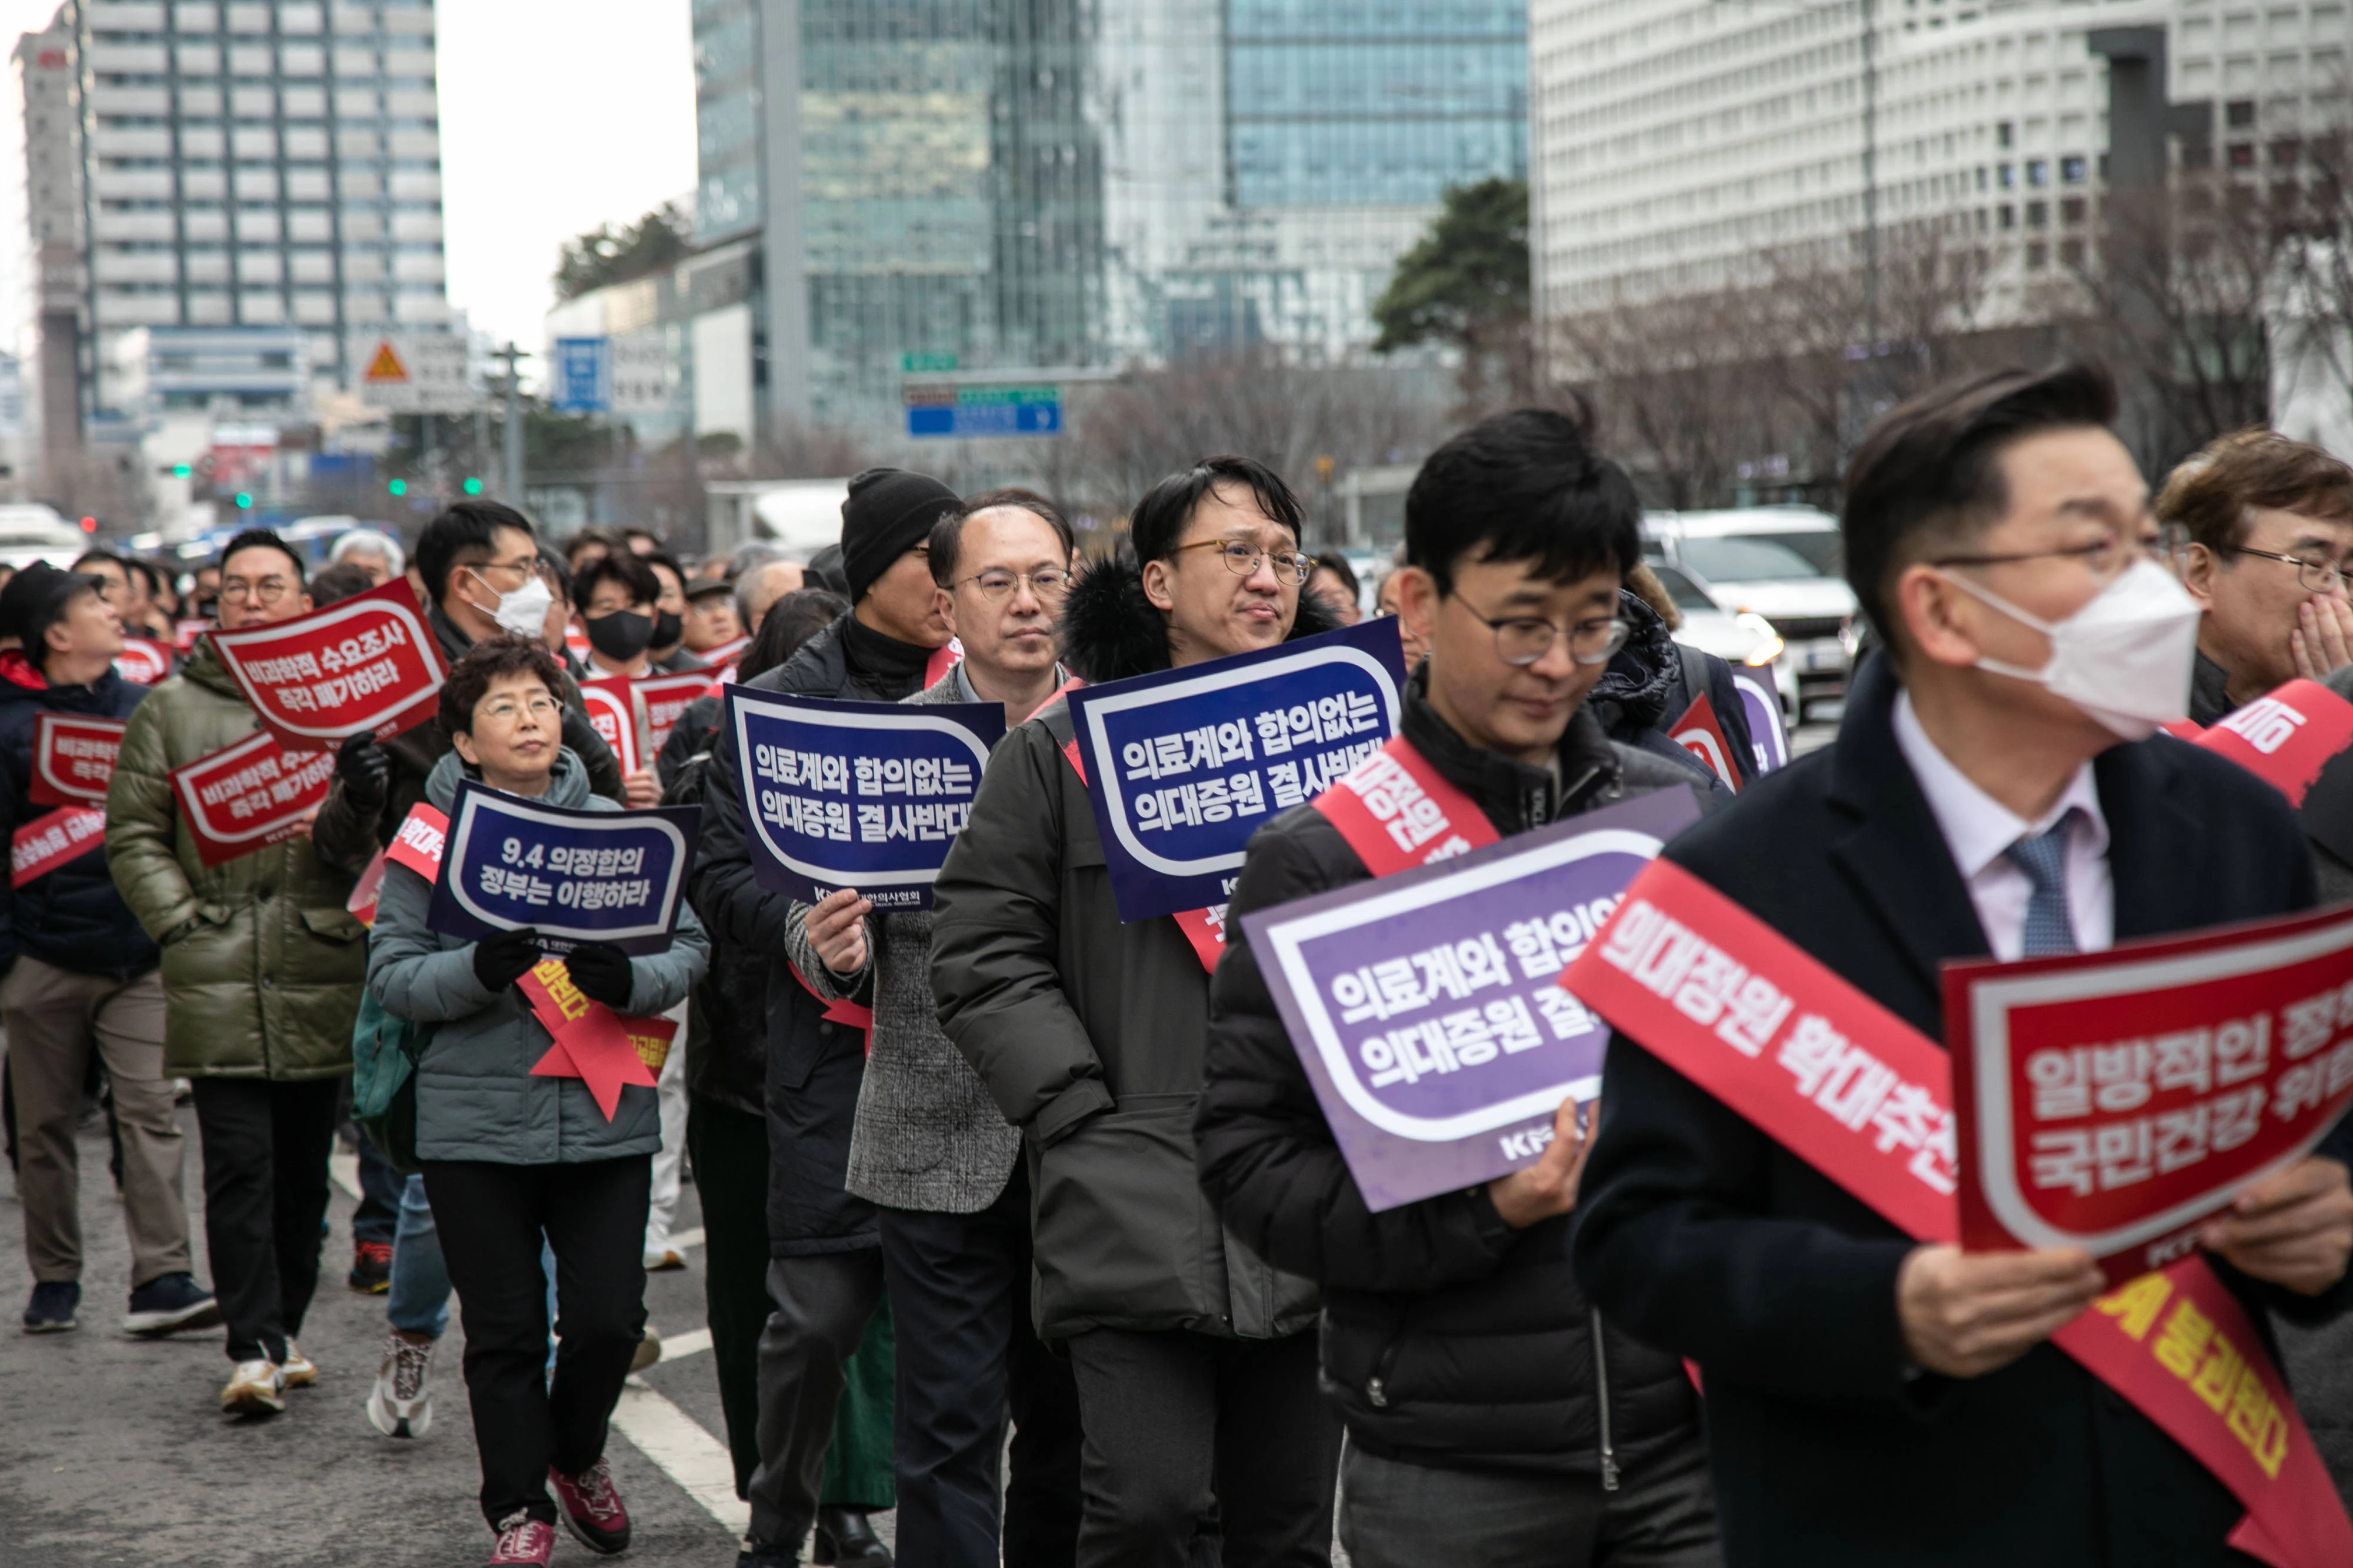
243,500
181,470
473,486
399,486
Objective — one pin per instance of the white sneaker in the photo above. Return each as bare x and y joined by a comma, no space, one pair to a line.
296,1368
400,1405
254,1388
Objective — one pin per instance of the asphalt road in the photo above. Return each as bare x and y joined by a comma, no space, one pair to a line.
113,1449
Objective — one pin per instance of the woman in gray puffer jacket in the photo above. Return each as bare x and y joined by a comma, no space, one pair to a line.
509,1155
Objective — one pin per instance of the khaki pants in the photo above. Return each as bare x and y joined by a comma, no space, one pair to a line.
55,1018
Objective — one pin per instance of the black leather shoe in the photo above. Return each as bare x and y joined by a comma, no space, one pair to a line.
846,1540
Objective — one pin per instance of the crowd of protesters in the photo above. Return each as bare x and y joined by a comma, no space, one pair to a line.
1054,1251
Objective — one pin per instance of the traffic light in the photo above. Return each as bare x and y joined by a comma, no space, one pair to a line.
473,486
399,486
244,500
89,525
181,470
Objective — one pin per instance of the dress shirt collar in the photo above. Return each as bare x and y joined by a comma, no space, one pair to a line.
1979,828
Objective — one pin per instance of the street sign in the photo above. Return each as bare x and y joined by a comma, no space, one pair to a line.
967,413
580,375
415,372
644,378
928,363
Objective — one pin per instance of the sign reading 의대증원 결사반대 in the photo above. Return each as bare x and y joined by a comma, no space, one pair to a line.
1182,766
368,663
866,795
613,876
1427,1005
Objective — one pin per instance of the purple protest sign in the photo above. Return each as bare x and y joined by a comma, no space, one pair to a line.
1760,703
1427,1005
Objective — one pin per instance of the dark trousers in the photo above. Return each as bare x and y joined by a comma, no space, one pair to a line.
1398,1515
491,1219
730,1149
824,1302
378,1214
1203,1451
265,1144
960,1290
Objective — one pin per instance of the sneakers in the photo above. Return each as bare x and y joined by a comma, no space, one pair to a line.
254,1388
523,1540
371,1272
592,1508
296,1368
400,1405
51,1310
649,1351
168,1303
665,1257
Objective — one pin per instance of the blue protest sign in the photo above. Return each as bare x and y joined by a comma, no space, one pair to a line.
576,876
856,794
1427,1005
1184,765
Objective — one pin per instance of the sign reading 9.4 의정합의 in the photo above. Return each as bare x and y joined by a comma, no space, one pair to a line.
613,876
856,794
1184,765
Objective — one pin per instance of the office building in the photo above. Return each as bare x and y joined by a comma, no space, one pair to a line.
53,206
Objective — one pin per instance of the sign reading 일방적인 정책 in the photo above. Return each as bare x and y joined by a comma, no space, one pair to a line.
1427,1005
366,663
1184,765
856,794
615,876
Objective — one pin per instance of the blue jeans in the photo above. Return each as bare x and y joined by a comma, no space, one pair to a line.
419,1299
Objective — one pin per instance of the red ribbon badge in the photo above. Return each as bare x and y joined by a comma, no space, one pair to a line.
615,712
2285,738
143,661
668,696
250,794
48,842
1700,732
840,1009
73,758
1865,1099
368,663
591,1042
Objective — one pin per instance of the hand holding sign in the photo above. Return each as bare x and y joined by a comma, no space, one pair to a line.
2294,1229
1548,1187
1968,1313
575,877
836,928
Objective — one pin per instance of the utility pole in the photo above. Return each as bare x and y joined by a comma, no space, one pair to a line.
1871,177
513,357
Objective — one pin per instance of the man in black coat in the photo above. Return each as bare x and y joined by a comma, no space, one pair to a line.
1492,1416
1993,789
825,1272
82,979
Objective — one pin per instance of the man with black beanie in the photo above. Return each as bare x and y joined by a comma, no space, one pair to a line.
82,978
825,1272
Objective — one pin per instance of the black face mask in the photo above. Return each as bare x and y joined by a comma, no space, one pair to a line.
668,630
621,636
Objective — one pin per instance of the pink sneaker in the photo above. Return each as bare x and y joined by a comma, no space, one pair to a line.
523,1540
592,1508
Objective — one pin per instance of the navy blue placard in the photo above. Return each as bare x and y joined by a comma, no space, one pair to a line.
1427,1005
1184,765
856,794
613,876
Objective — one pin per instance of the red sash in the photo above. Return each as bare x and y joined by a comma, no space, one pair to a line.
1397,813
1865,1099
840,1009
48,841
2285,737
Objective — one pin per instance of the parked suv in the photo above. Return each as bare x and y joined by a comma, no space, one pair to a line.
1781,563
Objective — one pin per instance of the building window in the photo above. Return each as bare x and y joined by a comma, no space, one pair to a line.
2038,215
2072,210
2071,170
2243,154
2239,114
2071,253
2038,256
2037,172
2002,133
2008,175
2008,216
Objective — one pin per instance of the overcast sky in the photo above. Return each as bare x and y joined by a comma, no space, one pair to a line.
556,115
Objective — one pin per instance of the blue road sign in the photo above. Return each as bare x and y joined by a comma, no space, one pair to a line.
583,374
979,412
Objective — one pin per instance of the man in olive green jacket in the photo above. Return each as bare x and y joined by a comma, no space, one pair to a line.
262,971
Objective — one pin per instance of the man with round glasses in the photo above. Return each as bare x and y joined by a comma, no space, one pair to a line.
2270,534
1491,1415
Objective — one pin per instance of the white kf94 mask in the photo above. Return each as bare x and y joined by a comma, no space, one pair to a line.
2124,658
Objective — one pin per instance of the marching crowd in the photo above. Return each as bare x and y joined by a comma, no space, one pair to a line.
1028,1221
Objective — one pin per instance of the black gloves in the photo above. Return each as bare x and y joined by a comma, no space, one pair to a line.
365,772
500,961
602,973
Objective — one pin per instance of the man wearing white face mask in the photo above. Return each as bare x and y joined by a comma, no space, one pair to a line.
1997,787
480,564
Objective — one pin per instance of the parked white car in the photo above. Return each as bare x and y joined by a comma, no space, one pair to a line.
1779,563
1743,640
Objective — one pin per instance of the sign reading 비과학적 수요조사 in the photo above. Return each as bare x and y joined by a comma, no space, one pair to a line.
613,876
1427,1005
856,794
365,663
2116,1100
1182,766
73,758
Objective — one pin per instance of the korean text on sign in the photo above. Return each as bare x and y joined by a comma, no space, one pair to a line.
574,876
366,664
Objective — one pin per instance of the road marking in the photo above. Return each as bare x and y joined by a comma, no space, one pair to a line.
682,1450
684,1239
346,1169
694,1341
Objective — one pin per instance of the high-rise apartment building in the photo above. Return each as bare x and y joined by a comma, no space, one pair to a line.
53,211
271,167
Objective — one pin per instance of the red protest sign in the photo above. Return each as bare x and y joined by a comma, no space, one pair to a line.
2285,738
613,709
73,758
725,654
250,795
46,843
666,696
185,633
368,663
2116,1100
143,661
1699,732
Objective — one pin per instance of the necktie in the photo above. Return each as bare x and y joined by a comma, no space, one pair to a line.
2044,859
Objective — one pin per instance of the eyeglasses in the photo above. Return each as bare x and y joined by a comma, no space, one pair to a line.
1047,583
1521,640
521,569
506,709
2313,576
1241,559
2106,557
268,590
